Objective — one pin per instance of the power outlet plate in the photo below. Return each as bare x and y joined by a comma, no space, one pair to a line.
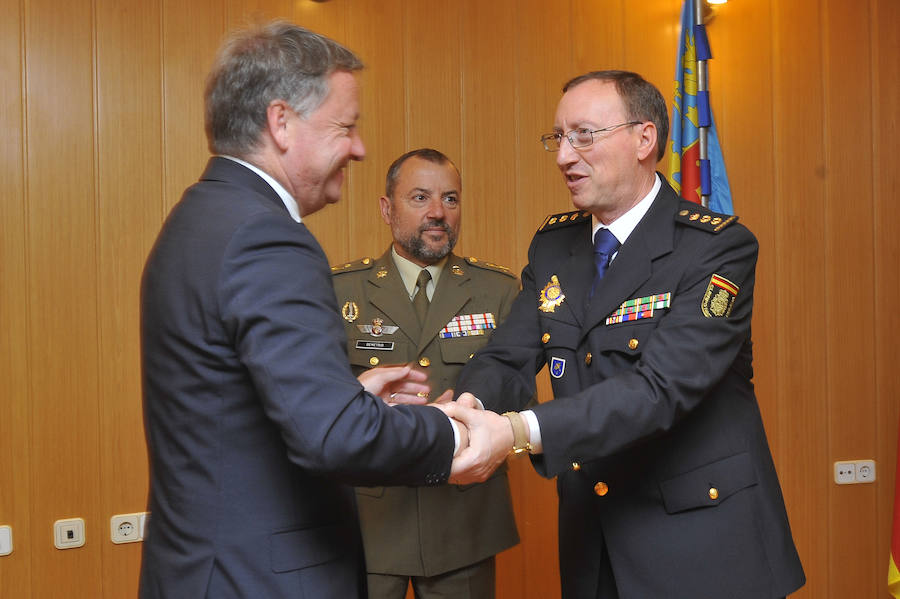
127,528
6,540
68,533
853,472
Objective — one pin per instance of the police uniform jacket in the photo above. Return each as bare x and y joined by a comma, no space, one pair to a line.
423,532
654,432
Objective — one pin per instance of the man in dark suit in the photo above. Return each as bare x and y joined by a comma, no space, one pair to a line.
640,304
253,416
441,539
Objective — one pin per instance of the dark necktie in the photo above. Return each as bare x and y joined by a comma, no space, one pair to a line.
605,245
420,301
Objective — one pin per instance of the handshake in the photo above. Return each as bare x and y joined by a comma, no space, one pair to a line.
485,437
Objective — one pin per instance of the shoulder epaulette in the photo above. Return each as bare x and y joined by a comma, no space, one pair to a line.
695,215
489,266
361,264
564,219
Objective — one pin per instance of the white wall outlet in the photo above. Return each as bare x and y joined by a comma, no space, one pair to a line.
127,528
6,540
865,471
845,473
68,533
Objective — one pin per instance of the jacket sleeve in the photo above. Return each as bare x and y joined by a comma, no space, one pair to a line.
278,305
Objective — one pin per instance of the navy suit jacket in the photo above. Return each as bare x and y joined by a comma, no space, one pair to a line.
254,419
664,472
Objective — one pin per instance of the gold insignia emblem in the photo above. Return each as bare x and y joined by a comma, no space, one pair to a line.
563,218
551,295
366,260
552,221
706,218
719,297
715,221
377,326
350,311
683,213
381,273
455,269
695,216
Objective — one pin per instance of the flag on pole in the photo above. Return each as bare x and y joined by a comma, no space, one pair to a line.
689,175
894,562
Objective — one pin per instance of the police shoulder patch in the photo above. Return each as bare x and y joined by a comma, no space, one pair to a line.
695,215
564,219
361,264
479,263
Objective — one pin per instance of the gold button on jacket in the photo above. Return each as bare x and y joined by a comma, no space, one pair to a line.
424,362
713,493
374,361
588,358
601,489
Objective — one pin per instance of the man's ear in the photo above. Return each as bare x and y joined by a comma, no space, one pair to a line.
278,123
385,204
647,141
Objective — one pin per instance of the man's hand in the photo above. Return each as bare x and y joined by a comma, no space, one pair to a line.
490,439
396,384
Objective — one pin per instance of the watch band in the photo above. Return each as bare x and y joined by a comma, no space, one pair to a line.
520,433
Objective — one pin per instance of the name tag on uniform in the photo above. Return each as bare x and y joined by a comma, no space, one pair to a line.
379,345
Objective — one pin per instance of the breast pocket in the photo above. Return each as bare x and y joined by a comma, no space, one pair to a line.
624,340
459,350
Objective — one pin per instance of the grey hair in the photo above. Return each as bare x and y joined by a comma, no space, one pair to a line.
254,66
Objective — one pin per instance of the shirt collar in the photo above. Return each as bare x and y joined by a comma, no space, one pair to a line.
409,272
287,199
625,224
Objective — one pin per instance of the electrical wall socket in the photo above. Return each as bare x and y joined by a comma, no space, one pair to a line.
68,533
854,471
127,528
6,540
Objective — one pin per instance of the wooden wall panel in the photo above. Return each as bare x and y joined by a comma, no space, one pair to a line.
129,139
15,404
848,216
60,197
797,90
105,129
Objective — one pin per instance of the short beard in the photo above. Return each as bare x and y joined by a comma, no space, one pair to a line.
417,248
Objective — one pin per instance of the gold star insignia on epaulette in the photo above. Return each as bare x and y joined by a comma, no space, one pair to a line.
566,218
702,218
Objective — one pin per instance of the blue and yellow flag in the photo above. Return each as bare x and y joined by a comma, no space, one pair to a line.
690,176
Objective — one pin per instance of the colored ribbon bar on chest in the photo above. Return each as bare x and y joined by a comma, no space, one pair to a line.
468,325
640,307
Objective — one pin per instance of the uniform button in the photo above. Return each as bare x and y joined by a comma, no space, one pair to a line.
545,337
632,343
713,493
424,362
576,466
601,489
587,359
374,360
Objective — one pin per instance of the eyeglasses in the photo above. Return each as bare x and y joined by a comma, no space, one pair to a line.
579,138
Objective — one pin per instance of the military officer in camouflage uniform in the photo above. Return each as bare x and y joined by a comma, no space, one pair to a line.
419,303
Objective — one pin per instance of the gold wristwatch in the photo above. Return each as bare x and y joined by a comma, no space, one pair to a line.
520,433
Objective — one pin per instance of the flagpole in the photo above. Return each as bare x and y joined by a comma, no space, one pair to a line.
702,86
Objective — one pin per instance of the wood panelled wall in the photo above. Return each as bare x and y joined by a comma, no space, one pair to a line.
101,111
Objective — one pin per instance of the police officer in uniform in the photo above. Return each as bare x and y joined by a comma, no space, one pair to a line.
420,303
640,304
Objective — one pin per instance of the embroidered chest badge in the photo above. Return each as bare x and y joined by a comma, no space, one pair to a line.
377,328
557,367
640,307
719,297
551,295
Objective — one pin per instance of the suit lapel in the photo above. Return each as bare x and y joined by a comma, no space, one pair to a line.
575,277
388,294
653,237
449,297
